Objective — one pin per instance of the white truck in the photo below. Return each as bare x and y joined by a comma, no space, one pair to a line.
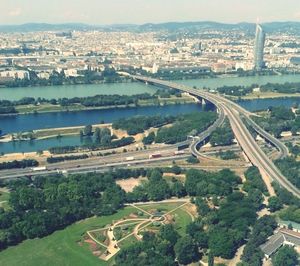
38,169
131,158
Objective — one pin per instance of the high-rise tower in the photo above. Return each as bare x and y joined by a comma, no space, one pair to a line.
260,38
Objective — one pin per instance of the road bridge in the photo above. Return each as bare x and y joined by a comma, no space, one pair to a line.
235,113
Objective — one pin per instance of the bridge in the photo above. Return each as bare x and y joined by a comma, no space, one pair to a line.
238,116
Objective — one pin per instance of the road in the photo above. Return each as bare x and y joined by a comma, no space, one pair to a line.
234,112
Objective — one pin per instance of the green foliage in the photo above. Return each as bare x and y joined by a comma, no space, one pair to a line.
222,136
201,183
254,180
279,119
168,233
286,256
18,164
149,139
88,130
66,158
193,160
274,204
42,206
262,229
227,155
221,243
155,189
292,213
291,169
202,206
152,251
138,124
184,126
178,189
186,250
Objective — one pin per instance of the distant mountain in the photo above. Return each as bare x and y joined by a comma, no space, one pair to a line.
293,27
32,27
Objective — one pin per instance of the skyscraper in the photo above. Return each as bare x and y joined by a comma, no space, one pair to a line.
259,46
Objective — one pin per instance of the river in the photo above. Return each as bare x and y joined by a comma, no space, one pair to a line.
130,88
66,119
29,122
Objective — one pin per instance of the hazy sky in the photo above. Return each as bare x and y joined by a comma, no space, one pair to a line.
142,11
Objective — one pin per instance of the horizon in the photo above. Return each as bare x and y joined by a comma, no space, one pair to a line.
153,23
102,12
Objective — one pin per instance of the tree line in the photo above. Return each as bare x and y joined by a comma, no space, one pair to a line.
18,164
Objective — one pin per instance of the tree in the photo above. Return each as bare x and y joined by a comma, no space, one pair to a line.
97,135
286,256
149,139
88,130
186,250
192,160
168,233
274,204
202,207
221,243
178,189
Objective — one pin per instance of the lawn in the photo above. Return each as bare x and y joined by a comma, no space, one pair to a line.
60,248
182,219
4,197
164,207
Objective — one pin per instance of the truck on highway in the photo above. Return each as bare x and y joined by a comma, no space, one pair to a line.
38,169
155,155
131,158
62,171
178,152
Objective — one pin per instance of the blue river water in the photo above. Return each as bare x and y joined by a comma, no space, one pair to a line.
9,124
29,122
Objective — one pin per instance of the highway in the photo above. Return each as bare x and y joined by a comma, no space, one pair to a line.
226,108
248,144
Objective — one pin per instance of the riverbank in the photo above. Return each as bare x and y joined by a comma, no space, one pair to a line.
41,134
52,108
266,95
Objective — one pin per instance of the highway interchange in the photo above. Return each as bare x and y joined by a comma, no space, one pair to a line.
248,144
226,108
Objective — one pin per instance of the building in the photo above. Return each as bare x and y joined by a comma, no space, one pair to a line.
282,237
259,46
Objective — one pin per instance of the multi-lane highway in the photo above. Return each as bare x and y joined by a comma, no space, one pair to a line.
226,108
234,113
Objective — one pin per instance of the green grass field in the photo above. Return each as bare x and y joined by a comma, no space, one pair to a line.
4,197
60,248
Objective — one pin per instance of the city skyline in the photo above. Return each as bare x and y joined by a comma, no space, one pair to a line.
141,11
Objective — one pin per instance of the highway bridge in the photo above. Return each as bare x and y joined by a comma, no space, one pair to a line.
235,113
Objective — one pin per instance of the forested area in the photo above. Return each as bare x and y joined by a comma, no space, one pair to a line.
184,126
262,229
222,228
93,146
92,101
222,136
66,158
18,164
94,139
138,124
7,106
46,204
56,78
291,169
279,119
239,91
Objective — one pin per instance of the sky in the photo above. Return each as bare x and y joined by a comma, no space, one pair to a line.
104,12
